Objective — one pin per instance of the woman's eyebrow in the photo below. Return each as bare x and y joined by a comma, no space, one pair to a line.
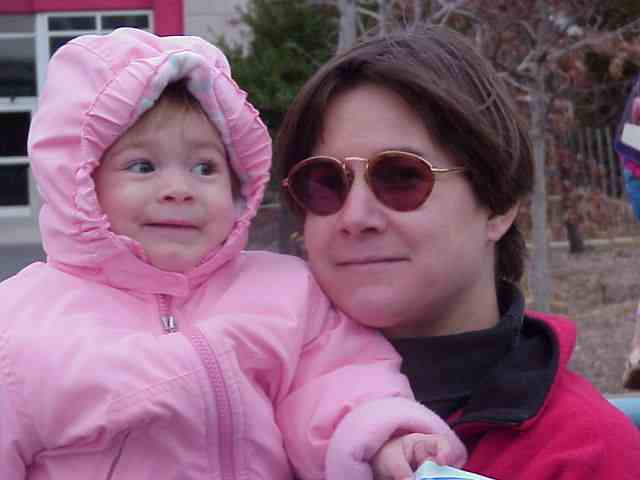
406,148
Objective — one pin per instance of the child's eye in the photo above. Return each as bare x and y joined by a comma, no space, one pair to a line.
141,166
204,168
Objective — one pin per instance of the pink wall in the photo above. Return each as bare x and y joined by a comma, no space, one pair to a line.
168,14
168,17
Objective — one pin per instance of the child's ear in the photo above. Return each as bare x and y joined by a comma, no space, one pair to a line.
499,223
635,111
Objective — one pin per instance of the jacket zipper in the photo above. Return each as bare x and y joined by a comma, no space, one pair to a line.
214,372
169,323
223,403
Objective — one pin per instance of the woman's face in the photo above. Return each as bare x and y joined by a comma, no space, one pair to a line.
424,272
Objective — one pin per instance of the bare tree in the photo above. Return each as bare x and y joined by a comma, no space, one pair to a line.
357,17
385,9
536,45
348,24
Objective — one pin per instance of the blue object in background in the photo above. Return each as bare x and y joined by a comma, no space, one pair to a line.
630,156
629,404
623,149
632,184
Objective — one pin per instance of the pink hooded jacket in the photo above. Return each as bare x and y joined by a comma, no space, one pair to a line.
238,369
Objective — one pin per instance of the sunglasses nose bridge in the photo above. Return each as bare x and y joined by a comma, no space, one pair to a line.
350,172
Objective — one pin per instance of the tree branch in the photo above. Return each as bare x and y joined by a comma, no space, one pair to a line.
591,40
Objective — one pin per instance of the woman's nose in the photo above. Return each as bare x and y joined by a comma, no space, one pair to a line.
362,212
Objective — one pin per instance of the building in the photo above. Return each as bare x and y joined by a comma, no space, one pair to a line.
30,32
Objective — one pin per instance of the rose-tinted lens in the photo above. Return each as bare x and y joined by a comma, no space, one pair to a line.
401,181
319,186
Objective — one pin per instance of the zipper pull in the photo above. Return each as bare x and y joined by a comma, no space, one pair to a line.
169,323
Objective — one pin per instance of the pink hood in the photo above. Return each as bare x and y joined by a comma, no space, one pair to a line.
84,110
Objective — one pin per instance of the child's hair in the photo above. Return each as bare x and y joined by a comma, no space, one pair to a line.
178,94
174,99
177,98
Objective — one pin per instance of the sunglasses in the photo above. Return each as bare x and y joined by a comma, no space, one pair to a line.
401,181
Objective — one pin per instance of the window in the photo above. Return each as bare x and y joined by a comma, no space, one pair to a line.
58,28
17,56
15,185
14,126
26,44
14,164
18,90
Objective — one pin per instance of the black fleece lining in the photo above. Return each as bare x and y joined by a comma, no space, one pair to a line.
498,375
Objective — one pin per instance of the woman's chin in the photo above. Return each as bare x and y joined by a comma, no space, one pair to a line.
368,312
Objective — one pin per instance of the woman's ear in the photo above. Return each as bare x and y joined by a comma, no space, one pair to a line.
499,223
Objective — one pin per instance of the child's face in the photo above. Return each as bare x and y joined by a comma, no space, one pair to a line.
166,183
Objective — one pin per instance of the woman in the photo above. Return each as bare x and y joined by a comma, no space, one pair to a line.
407,164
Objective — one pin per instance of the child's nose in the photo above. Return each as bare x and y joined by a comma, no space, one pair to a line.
178,196
177,189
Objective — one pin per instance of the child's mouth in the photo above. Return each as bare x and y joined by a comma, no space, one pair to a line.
175,224
173,228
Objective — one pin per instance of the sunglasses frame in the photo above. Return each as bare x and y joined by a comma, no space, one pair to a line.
347,174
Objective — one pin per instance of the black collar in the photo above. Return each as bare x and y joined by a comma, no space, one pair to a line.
501,374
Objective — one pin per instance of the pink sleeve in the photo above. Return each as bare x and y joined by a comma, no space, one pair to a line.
361,433
348,398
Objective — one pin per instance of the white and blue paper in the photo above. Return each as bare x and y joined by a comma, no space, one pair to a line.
432,471
631,135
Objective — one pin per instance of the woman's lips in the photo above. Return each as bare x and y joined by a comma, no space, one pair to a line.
365,261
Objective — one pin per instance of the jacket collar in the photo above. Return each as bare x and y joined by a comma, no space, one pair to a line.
502,375
516,390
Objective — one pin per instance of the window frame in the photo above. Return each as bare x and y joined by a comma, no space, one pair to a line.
20,104
41,36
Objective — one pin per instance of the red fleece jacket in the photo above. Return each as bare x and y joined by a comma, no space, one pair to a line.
576,434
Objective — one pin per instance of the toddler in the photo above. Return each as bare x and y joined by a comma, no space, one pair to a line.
150,345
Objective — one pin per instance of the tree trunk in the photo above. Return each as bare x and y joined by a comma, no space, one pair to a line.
384,11
348,24
418,11
576,244
540,278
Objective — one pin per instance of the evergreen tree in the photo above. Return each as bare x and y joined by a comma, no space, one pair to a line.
288,41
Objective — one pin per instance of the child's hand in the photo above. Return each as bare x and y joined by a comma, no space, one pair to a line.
398,458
